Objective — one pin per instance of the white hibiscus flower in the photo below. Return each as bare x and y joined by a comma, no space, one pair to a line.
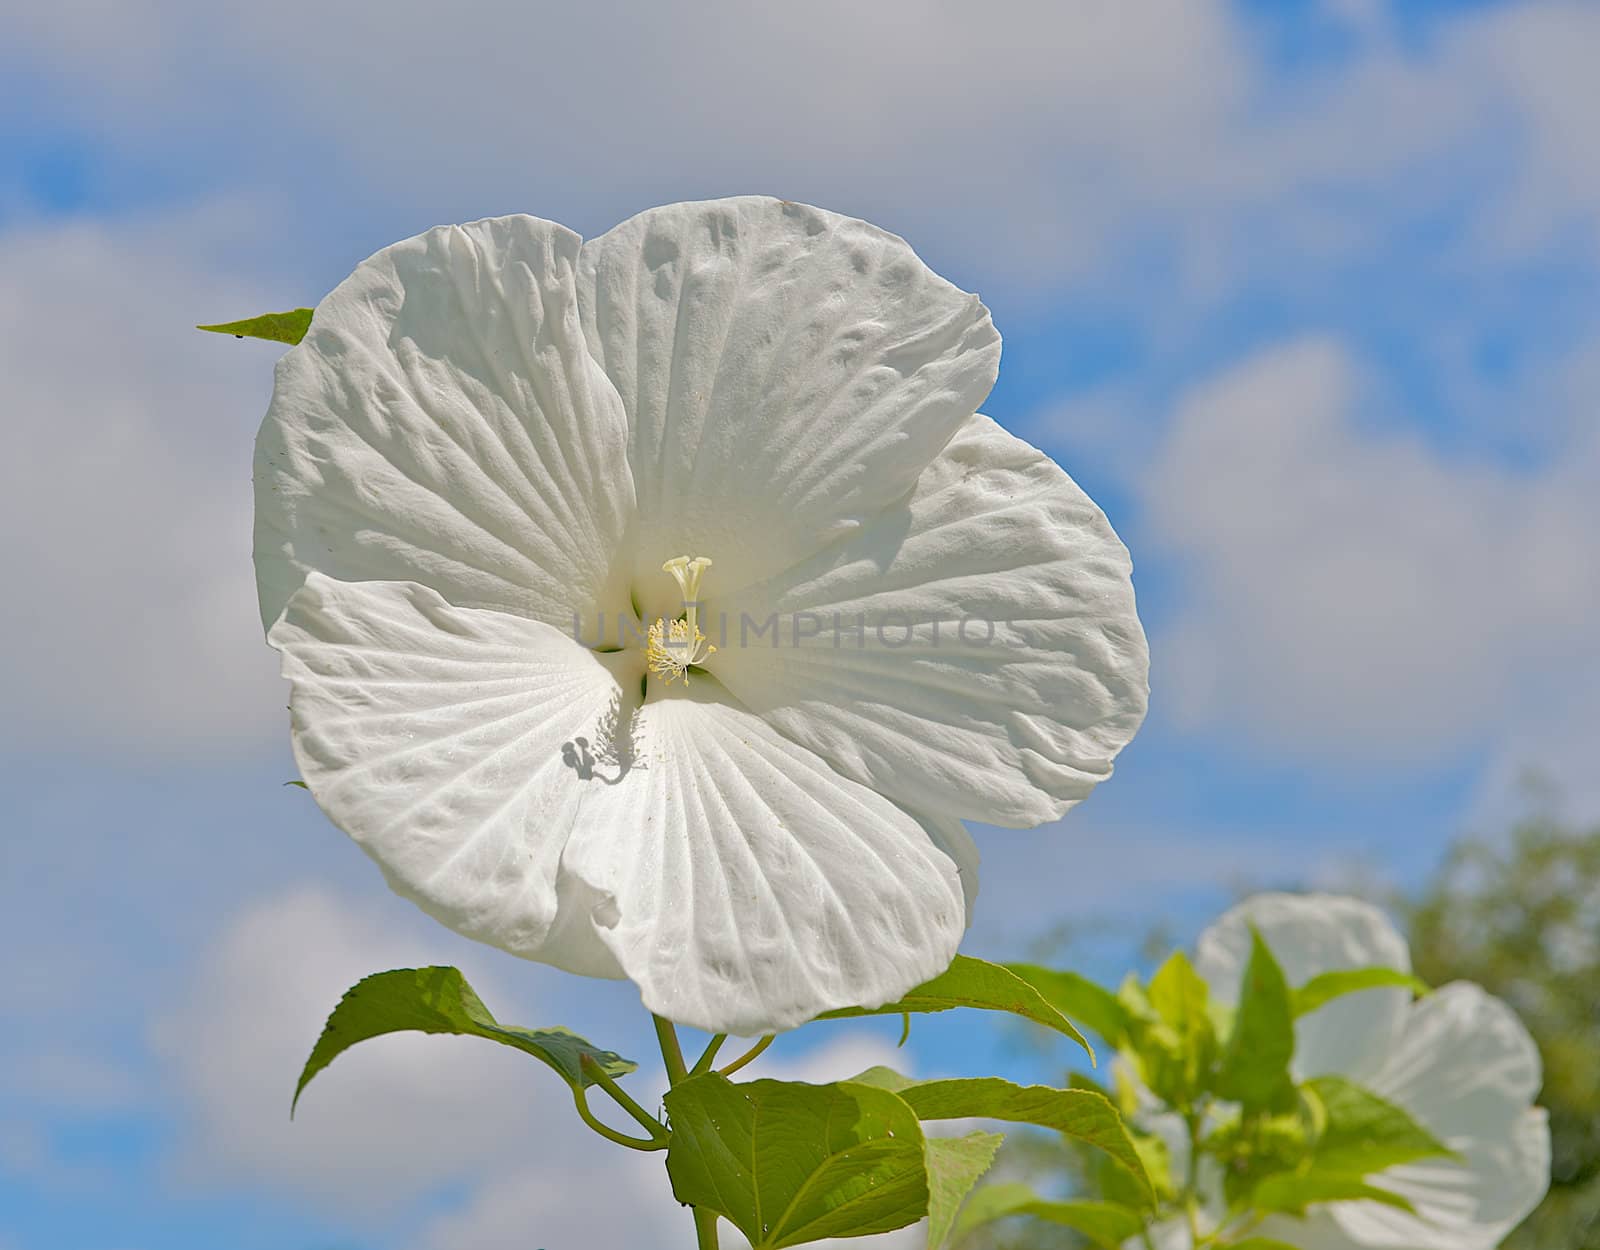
1457,1060
744,429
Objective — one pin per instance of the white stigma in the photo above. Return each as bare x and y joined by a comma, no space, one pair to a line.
672,647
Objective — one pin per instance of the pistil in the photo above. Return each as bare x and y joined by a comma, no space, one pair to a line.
673,647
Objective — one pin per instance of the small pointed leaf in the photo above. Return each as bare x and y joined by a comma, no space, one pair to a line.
1327,986
1179,996
439,1000
1291,1192
955,1165
1255,1064
969,982
1077,1113
1363,1133
283,327
1078,998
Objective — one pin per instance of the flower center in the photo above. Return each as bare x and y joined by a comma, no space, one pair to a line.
672,647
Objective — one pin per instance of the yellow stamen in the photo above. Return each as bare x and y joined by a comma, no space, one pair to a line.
672,647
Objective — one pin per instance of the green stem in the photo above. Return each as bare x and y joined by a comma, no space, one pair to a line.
705,1222
749,1055
671,1052
1191,1182
705,1229
709,1055
580,1098
620,1096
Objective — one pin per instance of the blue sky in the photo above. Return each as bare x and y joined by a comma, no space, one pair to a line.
1304,294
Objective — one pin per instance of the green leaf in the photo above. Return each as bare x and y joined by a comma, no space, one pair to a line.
969,982
1179,1052
1292,1192
1077,998
283,327
1255,1065
1327,986
1258,1243
954,1166
1179,996
1105,1224
1082,1080
1364,1133
439,1000
1076,1113
788,1163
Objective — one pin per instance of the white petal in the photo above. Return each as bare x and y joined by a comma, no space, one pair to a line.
508,783
951,837
1311,934
1467,1069
443,423
1464,1062
749,887
786,371
999,664
449,744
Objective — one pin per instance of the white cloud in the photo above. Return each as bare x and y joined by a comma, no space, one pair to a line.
1352,595
385,1123
1026,141
1024,132
1029,142
1541,56
837,1059
386,1127
69,1081
1115,880
586,1194
128,616
1556,750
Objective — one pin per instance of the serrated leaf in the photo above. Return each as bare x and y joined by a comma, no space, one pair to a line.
1112,1181
439,1000
281,327
1255,1064
1105,1224
1077,998
1292,1192
1077,1113
1363,1133
969,982
954,1166
1327,986
788,1163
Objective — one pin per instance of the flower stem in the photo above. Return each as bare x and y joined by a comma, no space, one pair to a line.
748,1055
709,1055
705,1222
671,1052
